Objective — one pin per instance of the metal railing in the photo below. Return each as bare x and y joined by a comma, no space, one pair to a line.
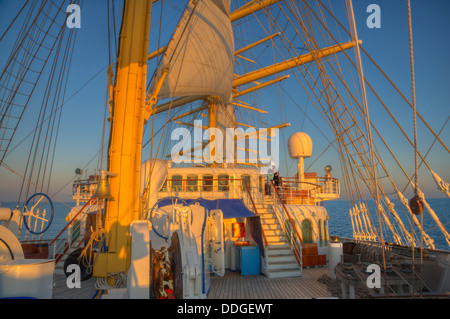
309,189
298,193
288,224
70,235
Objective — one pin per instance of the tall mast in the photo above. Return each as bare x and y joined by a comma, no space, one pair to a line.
124,154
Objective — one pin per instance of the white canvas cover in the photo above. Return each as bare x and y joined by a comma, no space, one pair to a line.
200,55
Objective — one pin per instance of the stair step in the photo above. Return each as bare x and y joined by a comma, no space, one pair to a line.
282,266
273,232
273,226
268,215
279,260
269,220
282,251
276,238
287,258
284,273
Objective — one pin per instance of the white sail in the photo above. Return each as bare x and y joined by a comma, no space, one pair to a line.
200,55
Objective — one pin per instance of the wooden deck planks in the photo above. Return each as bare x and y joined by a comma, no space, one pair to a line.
61,291
231,286
261,287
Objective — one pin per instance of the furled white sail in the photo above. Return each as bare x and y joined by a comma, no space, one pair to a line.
200,55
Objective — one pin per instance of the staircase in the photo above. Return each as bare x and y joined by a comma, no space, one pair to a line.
279,259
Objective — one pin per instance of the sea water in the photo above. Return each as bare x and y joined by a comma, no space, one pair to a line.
339,223
60,211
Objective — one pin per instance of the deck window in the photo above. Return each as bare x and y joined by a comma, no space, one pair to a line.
320,233
207,183
192,182
224,183
248,180
307,231
177,183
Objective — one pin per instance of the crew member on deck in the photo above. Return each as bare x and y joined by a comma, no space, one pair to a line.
276,179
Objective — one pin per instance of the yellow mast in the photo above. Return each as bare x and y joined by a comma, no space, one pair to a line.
124,155
212,121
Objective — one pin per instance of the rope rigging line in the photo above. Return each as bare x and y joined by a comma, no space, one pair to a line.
61,106
55,89
413,88
14,20
19,79
375,127
147,189
24,178
416,166
386,76
28,55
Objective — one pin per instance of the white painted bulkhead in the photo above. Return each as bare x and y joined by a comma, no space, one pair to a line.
318,217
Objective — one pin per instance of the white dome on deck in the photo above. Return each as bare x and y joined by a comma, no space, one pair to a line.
300,145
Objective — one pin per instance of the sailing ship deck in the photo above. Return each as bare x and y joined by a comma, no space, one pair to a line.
231,286
235,286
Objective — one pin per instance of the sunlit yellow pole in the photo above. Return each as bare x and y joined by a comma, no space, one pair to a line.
212,116
124,155
289,64
254,44
237,94
247,10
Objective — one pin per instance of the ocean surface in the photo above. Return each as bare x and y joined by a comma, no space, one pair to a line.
339,223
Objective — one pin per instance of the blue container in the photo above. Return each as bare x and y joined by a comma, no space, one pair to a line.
249,260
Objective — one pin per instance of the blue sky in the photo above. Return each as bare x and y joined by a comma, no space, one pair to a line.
80,134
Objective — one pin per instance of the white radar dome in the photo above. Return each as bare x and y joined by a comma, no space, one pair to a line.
300,145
